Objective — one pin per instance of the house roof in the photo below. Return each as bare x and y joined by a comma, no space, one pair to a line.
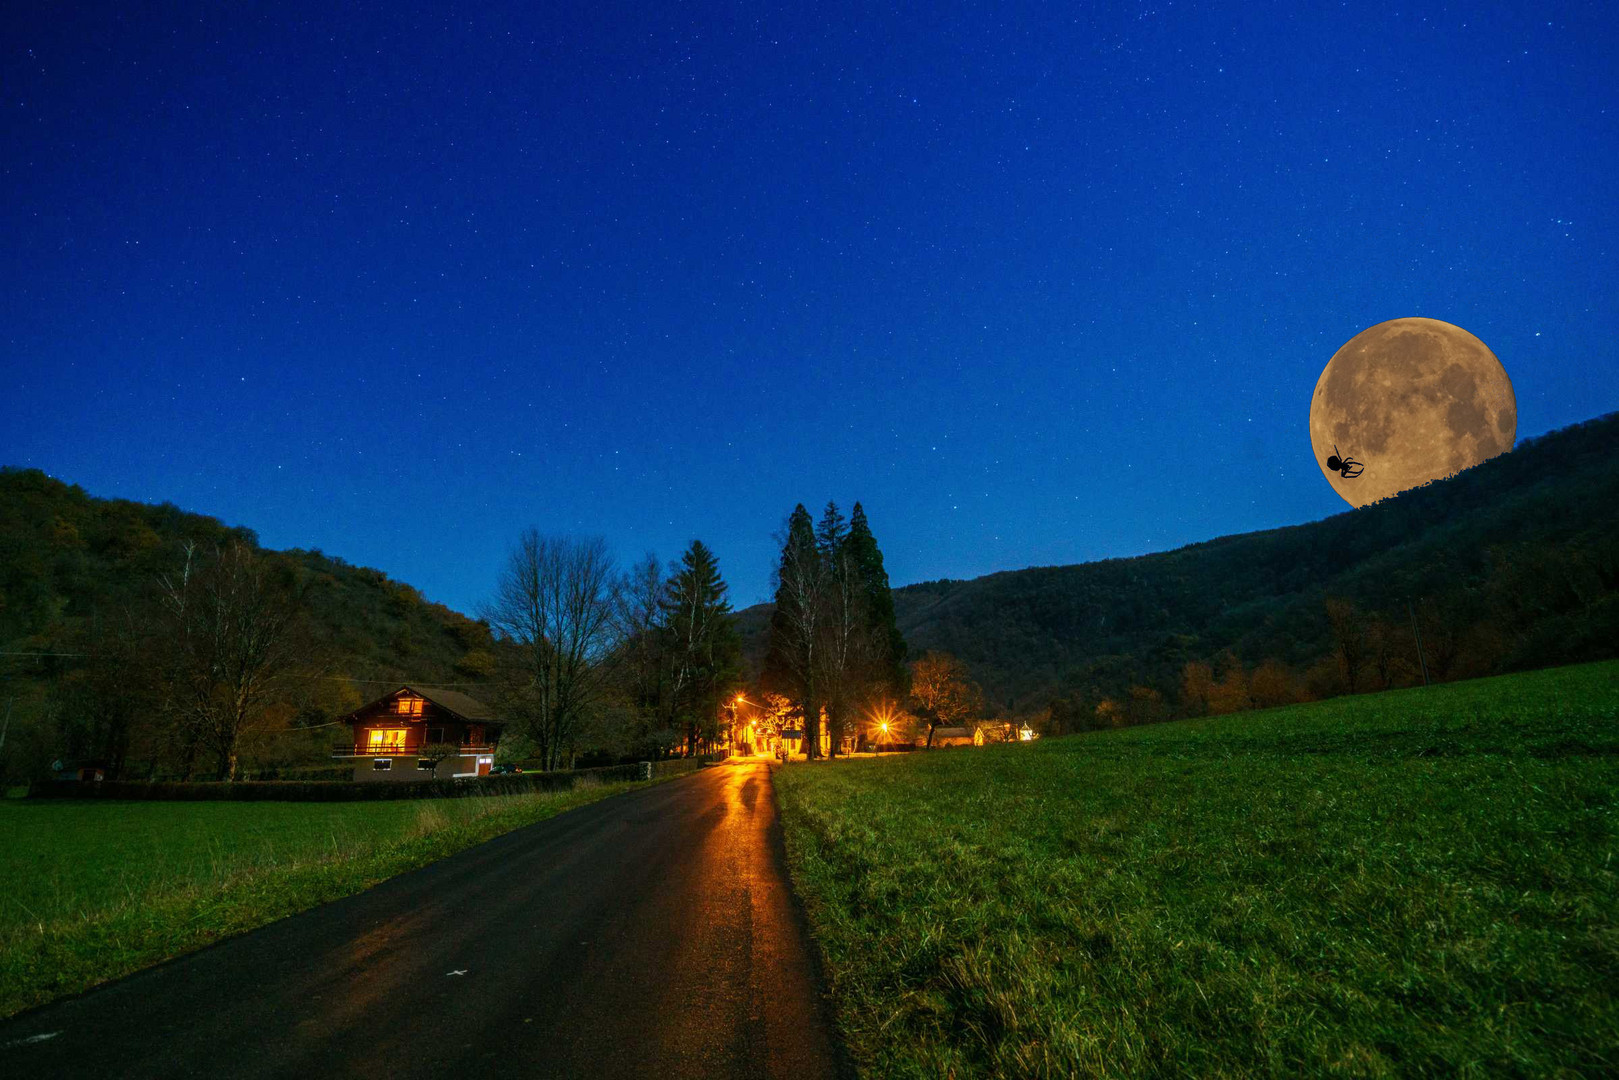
953,733
462,705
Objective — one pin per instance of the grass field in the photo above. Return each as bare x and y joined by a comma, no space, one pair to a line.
94,890
1416,883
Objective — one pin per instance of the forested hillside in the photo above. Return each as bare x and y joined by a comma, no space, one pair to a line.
1510,565
78,574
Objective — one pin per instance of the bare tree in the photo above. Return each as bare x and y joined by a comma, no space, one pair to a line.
553,611
637,612
230,641
941,692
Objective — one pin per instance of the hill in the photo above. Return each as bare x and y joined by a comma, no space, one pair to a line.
71,564
1507,566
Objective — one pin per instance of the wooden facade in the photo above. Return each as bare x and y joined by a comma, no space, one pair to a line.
420,732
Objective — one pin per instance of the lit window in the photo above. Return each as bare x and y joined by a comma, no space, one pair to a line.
385,739
408,706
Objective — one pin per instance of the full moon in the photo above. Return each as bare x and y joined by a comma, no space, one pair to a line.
1410,400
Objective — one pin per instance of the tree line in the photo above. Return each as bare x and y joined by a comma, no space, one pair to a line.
590,660
159,643
834,650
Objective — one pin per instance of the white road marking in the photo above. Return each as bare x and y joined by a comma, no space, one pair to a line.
461,972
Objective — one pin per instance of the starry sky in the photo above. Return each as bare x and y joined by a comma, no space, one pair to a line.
1036,283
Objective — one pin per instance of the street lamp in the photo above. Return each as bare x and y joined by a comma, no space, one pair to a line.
884,715
734,706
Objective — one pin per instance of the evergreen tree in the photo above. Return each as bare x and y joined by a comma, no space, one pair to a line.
887,670
830,533
841,648
791,655
703,646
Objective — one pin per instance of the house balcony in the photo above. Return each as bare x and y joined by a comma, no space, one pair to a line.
414,749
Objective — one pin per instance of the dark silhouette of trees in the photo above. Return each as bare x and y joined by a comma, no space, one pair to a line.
882,657
701,643
1348,638
792,659
229,631
553,614
834,647
842,623
105,700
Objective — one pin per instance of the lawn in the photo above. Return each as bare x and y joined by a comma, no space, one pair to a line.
1420,882
96,889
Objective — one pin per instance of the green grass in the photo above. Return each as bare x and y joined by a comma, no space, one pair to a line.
95,890
1416,883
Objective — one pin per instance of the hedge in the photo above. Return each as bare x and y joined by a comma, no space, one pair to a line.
336,791
314,772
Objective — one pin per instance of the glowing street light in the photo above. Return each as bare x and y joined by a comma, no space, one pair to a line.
884,717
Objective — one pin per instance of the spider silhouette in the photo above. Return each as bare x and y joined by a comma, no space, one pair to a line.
1342,466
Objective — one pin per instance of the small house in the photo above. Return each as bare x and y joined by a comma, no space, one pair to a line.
421,732
954,736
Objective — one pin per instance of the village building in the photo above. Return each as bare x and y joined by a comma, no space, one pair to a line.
421,732
953,736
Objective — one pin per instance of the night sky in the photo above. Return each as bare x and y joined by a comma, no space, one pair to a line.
1035,287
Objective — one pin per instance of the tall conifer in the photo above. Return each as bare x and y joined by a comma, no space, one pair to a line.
790,661
888,672
704,648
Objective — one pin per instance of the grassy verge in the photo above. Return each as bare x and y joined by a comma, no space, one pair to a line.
96,890
1421,882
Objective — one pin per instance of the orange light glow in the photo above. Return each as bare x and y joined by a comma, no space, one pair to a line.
385,739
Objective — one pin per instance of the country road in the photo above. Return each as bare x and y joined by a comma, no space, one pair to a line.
649,934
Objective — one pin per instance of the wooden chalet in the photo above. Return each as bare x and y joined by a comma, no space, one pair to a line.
420,732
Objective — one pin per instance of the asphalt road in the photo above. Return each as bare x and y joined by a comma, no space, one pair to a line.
650,935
